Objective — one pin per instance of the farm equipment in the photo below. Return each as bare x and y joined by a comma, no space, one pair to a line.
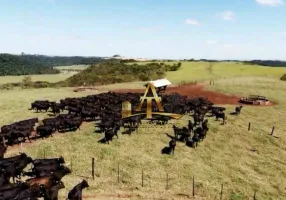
255,100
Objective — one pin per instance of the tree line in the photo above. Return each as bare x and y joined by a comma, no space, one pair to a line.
39,64
111,72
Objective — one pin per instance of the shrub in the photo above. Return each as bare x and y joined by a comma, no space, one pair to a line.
283,78
27,82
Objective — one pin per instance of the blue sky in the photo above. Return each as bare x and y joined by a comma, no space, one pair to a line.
175,29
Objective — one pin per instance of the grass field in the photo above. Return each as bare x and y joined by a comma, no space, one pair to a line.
45,77
224,157
75,67
201,71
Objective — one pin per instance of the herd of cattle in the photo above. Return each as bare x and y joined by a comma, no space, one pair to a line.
105,110
44,179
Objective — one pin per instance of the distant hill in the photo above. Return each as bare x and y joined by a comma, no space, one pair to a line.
272,63
39,64
64,60
22,65
269,63
111,72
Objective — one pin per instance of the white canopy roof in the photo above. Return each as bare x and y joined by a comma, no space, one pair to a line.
160,83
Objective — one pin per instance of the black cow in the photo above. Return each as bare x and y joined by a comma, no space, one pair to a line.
221,115
238,110
15,168
54,191
109,134
172,145
32,194
45,131
190,126
40,107
76,192
3,149
205,124
49,161
7,193
58,175
13,158
55,109
53,167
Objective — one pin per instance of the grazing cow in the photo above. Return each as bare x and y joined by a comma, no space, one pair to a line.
221,115
201,132
190,126
205,124
76,192
109,134
46,182
53,167
32,194
238,110
4,178
55,109
54,191
40,107
48,161
190,143
8,192
3,149
58,175
172,145
15,168
45,131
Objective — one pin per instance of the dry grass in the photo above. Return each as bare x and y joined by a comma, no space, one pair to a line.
225,157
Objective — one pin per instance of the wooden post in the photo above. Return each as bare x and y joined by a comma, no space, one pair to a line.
92,168
142,178
254,196
118,173
21,147
249,124
193,186
272,130
167,181
221,191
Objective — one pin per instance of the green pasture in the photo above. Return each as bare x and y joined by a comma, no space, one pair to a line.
201,71
45,77
243,161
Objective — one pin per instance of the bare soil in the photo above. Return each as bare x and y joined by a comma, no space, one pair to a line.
195,91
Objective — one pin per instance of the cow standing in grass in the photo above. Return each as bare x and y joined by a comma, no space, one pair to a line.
238,110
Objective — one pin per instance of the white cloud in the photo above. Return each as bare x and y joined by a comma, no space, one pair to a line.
270,2
192,22
227,15
211,42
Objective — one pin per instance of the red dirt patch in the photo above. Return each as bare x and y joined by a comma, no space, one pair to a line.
195,91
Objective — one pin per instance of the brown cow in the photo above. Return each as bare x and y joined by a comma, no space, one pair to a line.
46,182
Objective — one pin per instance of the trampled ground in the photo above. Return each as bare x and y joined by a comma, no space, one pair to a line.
195,91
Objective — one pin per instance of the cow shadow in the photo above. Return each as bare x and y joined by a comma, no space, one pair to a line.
232,113
166,150
101,141
97,131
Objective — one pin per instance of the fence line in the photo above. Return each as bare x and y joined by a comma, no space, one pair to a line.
222,193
